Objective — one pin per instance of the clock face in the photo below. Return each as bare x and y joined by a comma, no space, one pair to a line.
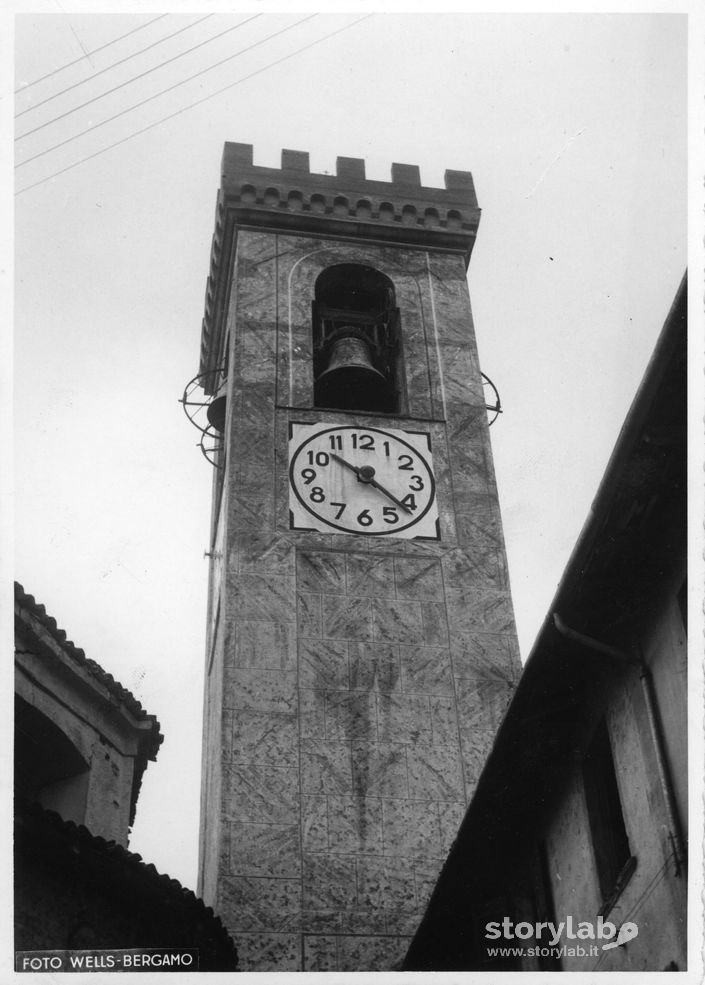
361,480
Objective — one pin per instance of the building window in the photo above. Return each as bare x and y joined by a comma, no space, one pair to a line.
356,341
610,843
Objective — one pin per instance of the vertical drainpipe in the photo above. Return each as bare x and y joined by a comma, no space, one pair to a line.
647,686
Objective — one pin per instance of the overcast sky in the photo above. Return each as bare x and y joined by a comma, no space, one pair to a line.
574,127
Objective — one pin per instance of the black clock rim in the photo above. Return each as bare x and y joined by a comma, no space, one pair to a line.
357,427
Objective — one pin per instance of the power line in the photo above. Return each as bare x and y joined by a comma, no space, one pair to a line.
122,61
199,102
142,75
95,51
163,92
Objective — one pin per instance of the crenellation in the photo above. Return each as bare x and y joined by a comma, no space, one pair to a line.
240,174
350,168
239,157
406,174
295,160
235,157
459,181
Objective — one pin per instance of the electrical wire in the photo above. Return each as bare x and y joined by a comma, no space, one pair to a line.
198,102
141,75
163,92
87,54
122,61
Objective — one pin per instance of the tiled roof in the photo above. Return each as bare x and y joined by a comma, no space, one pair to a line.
125,879
77,655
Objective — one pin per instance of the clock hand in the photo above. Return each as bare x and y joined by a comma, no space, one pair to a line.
353,468
397,502
366,473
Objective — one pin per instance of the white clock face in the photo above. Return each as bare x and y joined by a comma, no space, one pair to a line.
361,480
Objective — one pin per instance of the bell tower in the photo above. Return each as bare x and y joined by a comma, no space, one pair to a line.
361,646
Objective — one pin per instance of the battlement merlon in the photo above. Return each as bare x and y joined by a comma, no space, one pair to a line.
345,205
401,209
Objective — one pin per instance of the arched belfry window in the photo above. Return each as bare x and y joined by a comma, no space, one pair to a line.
356,343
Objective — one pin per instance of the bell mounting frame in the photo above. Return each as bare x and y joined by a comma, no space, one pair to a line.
493,409
211,445
196,410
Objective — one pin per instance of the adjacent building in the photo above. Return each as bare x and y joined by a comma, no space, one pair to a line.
82,743
581,811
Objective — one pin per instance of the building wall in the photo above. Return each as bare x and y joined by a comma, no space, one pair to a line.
664,648
655,896
363,677
101,797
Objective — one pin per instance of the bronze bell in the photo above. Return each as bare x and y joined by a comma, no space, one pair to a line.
350,381
216,413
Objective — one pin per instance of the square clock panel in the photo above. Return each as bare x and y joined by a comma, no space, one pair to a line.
362,480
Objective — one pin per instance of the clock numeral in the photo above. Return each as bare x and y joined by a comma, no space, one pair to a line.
341,510
416,483
320,458
317,495
406,462
308,475
364,519
385,445
364,441
336,441
390,514
410,501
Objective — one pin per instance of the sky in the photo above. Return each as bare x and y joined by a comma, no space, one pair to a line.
575,129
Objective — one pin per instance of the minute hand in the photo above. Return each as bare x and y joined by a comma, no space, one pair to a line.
397,502
366,474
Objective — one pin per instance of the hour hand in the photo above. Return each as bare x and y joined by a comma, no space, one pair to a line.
353,468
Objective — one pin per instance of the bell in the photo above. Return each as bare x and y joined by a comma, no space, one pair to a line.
350,381
216,413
